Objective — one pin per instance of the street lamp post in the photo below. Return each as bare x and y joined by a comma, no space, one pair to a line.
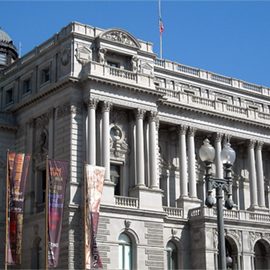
207,155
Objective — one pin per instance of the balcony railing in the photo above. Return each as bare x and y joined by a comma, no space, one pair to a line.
128,202
210,76
122,73
174,212
240,215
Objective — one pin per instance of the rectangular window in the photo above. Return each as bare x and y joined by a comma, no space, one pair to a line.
27,86
113,64
9,96
3,59
40,190
116,178
45,75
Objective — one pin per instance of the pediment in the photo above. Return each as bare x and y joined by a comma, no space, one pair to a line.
120,36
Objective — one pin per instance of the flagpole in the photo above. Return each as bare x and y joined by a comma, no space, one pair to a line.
160,30
7,210
84,216
46,214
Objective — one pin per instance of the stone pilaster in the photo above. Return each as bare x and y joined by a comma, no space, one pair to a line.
183,161
252,175
260,175
91,140
218,161
153,121
191,163
106,106
140,148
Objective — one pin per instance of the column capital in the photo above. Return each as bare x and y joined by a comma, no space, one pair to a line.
227,138
251,144
218,137
140,113
182,130
153,116
191,131
106,106
92,103
259,145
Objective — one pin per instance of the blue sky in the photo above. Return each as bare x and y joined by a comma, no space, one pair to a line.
231,38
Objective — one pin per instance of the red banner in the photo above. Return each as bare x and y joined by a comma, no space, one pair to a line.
58,171
17,170
94,177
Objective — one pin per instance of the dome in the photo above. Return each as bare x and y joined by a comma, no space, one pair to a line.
4,37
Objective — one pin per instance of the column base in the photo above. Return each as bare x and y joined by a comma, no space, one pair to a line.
187,203
150,199
108,193
258,209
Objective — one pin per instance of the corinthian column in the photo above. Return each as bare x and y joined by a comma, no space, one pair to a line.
153,121
140,147
183,161
260,176
91,151
219,165
191,163
106,138
252,175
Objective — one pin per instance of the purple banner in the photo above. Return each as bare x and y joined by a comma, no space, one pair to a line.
57,175
94,186
18,165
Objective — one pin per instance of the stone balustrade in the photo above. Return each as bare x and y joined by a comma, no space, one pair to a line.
126,202
118,75
240,215
209,76
215,105
174,212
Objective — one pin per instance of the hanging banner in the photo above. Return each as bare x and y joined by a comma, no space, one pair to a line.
18,164
94,179
57,174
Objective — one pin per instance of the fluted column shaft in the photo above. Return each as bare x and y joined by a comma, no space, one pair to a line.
191,163
252,175
183,161
106,138
91,151
260,175
140,148
218,161
153,120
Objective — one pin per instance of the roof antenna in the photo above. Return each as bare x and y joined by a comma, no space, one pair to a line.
20,49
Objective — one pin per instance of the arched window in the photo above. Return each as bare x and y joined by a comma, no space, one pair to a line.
125,252
262,255
172,256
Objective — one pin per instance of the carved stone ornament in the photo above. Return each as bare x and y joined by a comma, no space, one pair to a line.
120,36
65,56
173,232
83,55
118,145
127,224
146,68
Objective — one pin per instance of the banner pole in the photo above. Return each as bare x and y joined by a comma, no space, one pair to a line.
84,215
46,214
7,210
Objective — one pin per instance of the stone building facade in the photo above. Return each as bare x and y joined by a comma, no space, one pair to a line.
103,97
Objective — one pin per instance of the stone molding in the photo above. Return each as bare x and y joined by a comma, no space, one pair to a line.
120,36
